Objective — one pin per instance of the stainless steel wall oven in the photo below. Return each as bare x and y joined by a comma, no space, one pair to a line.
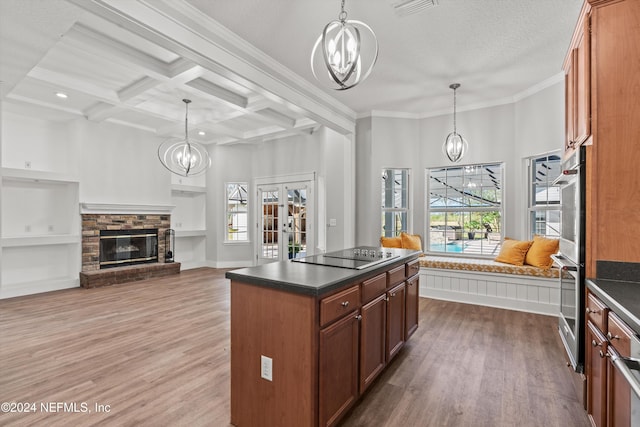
571,257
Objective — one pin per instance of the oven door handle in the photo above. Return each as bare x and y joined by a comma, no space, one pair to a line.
625,365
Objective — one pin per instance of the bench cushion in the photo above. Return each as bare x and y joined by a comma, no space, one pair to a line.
485,265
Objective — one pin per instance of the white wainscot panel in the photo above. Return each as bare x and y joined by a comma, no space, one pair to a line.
514,292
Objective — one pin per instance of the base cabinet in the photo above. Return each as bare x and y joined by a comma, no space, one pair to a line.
395,320
372,340
608,392
339,345
412,307
596,376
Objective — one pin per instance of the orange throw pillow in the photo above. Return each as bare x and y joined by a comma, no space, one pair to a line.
539,254
391,242
514,251
411,241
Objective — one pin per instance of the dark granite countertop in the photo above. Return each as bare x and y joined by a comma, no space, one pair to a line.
310,279
618,287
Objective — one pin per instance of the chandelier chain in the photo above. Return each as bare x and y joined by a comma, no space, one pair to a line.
343,14
454,111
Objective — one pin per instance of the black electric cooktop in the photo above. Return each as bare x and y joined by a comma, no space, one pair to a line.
354,258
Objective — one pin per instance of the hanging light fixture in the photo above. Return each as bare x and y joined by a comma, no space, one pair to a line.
181,156
455,146
345,60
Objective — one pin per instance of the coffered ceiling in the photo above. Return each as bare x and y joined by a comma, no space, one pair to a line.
245,63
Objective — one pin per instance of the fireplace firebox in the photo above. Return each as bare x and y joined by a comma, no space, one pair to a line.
128,247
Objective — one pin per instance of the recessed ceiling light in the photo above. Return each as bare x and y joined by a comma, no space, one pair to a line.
202,133
62,95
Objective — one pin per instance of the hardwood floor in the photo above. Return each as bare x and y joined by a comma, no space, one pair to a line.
157,353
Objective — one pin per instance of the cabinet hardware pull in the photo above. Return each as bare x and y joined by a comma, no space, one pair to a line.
359,317
595,344
588,310
393,294
345,304
612,337
603,354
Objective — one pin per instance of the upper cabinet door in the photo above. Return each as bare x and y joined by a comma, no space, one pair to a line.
582,64
578,86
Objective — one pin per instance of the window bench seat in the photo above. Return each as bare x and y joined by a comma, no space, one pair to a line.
490,283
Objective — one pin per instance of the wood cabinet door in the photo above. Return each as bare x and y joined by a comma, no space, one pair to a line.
395,320
372,340
618,396
582,95
411,307
338,359
569,107
596,366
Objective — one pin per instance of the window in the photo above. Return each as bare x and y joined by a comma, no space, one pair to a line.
544,198
237,217
395,201
464,214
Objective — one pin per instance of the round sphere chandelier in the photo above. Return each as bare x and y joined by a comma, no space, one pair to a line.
181,156
345,53
455,146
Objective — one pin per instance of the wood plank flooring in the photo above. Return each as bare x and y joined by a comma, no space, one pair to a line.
157,352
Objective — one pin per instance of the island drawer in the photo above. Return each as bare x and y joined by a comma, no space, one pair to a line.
337,305
396,275
374,287
413,268
619,335
597,312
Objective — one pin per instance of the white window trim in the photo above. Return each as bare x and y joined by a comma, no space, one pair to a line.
528,203
427,210
409,208
226,240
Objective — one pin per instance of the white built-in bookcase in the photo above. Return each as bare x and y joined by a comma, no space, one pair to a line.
188,219
41,242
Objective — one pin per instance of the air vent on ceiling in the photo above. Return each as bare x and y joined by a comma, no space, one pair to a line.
410,7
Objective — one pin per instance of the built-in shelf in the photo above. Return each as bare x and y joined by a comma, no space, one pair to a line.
36,175
124,209
188,189
191,233
45,240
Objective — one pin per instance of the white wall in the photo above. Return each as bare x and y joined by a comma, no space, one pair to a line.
505,133
120,165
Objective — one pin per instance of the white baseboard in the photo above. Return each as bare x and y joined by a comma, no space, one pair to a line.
522,293
230,264
29,288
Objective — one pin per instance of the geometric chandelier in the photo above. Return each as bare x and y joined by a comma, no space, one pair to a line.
345,53
181,156
455,145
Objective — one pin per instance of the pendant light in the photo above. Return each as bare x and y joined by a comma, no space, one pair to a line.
345,52
455,146
181,156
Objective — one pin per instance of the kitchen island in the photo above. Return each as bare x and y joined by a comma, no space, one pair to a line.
308,339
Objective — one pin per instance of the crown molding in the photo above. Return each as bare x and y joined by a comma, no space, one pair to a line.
538,87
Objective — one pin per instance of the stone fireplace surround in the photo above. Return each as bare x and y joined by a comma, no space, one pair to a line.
96,217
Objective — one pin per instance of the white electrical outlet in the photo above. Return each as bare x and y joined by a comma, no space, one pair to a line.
266,368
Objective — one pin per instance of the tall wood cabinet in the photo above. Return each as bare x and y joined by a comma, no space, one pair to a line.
602,112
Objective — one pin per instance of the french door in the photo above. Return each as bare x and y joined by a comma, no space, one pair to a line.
285,221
